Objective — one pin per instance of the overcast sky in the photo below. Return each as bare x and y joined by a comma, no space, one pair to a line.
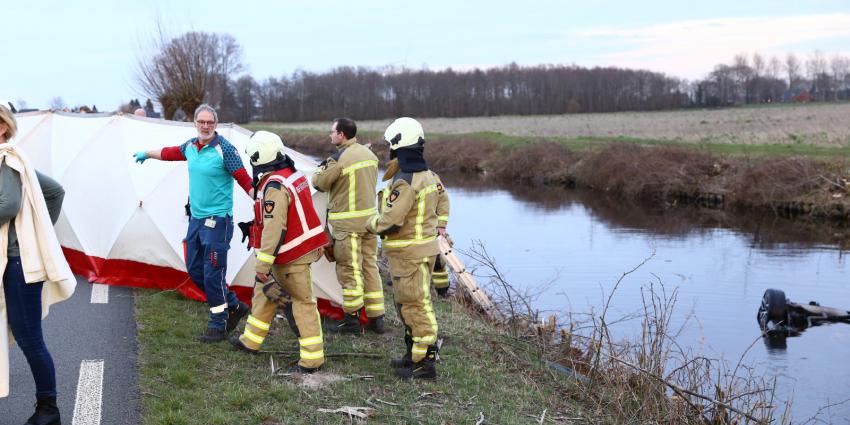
87,51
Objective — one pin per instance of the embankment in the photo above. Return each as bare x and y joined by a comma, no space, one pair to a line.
797,186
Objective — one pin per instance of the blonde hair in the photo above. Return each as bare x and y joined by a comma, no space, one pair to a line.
9,120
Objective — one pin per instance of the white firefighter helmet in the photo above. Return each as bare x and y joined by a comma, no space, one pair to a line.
264,147
404,132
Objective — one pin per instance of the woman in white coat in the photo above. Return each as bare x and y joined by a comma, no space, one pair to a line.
23,301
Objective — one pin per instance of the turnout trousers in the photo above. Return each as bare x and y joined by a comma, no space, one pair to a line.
297,282
412,290
357,271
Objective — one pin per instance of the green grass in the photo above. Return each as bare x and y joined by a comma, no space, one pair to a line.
801,145
798,148
779,105
481,371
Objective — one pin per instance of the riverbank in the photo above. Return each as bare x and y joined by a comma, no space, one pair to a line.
814,184
514,371
483,374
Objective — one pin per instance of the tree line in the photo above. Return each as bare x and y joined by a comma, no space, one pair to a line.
756,79
197,67
509,90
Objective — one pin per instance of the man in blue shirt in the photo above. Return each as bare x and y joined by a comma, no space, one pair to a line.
213,165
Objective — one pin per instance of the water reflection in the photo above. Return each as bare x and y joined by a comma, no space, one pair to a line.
765,230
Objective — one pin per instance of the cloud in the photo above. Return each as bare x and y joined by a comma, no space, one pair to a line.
691,48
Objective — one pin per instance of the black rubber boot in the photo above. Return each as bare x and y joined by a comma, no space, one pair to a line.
46,412
422,370
239,346
213,335
405,360
443,292
350,324
235,315
301,369
376,324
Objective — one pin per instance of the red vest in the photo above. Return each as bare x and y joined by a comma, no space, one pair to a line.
304,230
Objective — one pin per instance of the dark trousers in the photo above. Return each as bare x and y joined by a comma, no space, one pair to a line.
23,306
206,262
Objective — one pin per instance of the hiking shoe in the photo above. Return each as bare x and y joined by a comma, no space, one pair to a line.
212,335
235,315
376,325
46,412
424,369
240,346
301,369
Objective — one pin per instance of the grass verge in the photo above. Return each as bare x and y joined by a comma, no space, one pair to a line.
482,372
801,145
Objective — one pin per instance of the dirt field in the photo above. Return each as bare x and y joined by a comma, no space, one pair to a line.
814,124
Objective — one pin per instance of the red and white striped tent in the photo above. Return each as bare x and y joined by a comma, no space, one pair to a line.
123,223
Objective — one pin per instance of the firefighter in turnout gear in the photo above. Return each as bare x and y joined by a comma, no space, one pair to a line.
287,236
408,223
350,176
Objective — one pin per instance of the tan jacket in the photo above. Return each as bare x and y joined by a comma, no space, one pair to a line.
408,215
349,177
41,255
274,226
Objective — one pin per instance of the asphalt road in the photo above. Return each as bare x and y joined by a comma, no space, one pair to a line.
79,331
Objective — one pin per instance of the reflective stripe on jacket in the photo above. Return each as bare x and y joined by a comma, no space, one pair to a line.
408,215
297,220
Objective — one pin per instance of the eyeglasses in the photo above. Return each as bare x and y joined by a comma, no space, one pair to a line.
201,122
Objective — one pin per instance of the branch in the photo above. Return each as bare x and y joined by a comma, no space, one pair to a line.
678,389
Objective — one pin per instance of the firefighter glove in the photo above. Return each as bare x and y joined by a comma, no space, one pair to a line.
245,227
275,293
329,252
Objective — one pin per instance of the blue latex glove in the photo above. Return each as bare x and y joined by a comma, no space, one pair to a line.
140,157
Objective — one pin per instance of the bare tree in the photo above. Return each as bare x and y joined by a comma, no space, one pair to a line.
816,67
185,71
758,64
57,104
757,83
792,68
743,74
246,98
774,67
840,67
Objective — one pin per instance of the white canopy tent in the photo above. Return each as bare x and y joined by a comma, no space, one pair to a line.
123,223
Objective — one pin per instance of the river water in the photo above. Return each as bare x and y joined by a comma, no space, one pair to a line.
571,246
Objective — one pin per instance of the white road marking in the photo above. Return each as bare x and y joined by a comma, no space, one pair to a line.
89,393
99,294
